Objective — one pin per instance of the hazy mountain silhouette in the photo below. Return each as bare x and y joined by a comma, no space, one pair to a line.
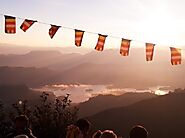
106,67
30,76
10,94
163,116
23,49
104,102
36,59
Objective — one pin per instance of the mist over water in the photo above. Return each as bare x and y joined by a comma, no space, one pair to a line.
82,92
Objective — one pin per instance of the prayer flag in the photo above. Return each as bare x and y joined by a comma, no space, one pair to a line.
10,25
78,37
101,42
27,24
53,30
125,46
175,56
149,51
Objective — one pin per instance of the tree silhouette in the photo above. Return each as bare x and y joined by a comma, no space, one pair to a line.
48,119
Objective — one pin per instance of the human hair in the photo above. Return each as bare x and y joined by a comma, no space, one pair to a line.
97,134
83,125
138,132
21,136
108,134
22,118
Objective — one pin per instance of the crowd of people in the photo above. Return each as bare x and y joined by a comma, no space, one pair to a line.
80,129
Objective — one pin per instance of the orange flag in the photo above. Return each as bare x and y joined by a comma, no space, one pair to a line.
175,56
78,37
101,42
10,25
53,30
125,46
27,24
149,51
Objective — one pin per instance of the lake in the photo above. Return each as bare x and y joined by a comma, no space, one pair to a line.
81,92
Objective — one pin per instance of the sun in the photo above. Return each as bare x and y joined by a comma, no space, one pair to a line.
159,92
161,27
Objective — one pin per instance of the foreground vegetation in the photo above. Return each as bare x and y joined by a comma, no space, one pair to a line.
48,119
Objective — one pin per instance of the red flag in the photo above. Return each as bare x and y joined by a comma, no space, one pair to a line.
101,42
53,30
10,25
149,51
27,24
175,56
78,37
125,46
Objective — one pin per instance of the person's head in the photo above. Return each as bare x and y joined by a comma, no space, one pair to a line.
83,125
138,132
108,134
97,134
21,136
21,123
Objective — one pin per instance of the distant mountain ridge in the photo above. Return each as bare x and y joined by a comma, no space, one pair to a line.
23,49
36,59
103,102
106,67
163,117
10,94
30,76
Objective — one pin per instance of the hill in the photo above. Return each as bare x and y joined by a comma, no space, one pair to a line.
37,59
23,49
106,67
10,94
30,76
104,102
163,116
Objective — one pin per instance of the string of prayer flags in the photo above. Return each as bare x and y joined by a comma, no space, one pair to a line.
27,24
101,42
78,37
10,24
10,28
125,46
53,30
149,51
175,56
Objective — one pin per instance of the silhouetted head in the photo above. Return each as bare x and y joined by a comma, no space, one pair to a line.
97,134
83,125
138,132
21,123
108,134
21,136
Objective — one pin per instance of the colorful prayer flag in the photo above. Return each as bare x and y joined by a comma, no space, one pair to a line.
149,51
78,37
53,30
27,24
101,42
175,56
10,25
125,46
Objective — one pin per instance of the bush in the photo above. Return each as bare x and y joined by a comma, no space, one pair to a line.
48,119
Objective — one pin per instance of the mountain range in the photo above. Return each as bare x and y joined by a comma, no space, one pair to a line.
11,94
37,68
104,102
163,117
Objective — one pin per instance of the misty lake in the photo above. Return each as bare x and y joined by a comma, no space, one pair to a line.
81,92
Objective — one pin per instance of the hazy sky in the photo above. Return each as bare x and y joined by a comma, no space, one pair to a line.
157,21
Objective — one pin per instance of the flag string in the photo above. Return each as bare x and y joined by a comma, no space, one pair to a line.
70,28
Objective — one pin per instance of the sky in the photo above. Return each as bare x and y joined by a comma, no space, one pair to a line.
157,21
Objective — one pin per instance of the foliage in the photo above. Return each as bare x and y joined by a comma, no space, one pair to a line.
48,119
